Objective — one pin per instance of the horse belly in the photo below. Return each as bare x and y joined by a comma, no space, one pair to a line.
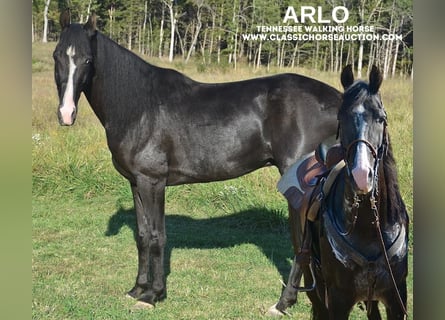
216,155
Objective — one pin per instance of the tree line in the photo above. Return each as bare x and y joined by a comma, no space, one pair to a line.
214,31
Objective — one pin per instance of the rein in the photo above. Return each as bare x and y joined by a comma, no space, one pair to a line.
376,222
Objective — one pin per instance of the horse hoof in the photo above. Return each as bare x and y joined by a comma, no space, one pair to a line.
274,312
140,305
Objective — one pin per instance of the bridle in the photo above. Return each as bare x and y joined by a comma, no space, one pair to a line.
378,156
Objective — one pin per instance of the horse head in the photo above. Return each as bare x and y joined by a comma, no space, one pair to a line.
74,66
362,128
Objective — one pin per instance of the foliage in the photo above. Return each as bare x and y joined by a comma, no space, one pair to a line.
219,25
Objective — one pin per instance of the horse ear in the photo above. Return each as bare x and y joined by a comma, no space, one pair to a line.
90,25
347,77
65,19
375,80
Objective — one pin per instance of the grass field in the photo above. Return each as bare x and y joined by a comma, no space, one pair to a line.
228,242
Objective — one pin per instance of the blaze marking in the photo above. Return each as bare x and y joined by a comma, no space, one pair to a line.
68,106
362,167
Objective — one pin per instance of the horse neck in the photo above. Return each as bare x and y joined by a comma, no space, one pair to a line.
117,70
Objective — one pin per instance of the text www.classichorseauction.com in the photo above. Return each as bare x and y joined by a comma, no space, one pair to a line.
322,31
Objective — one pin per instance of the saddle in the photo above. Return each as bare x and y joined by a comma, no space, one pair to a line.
306,182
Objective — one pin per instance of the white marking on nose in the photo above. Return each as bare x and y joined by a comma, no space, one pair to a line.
68,105
362,169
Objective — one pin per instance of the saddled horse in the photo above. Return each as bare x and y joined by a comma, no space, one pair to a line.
359,240
165,129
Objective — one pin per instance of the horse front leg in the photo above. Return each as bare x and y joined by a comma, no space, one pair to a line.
374,313
340,303
149,195
394,309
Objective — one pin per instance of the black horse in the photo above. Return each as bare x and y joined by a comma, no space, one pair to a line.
360,239
165,129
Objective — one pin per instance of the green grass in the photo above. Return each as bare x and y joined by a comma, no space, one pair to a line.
228,242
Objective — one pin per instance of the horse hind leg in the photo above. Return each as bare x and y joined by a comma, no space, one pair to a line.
300,263
289,294
150,286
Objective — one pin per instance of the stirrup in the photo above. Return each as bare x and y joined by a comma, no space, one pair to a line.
314,281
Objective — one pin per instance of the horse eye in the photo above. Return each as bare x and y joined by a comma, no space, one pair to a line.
381,120
87,61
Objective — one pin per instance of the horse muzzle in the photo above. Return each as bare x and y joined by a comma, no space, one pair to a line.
67,115
362,177
362,172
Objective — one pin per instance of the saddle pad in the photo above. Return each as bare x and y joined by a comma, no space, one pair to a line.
288,179
300,181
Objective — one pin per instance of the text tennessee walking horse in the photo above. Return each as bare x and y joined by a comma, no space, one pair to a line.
360,239
165,129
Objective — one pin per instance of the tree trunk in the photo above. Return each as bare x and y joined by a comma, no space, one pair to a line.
388,48
283,54
181,42
340,67
348,54
258,64
172,30
89,8
45,22
396,52
219,34
130,31
294,55
371,54
139,38
87,13
394,62
212,34
235,46
360,60
110,15
144,27
203,46
331,56
150,38
317,48
195,36
161,31
32,27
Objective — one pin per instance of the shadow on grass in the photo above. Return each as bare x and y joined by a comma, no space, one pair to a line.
265,228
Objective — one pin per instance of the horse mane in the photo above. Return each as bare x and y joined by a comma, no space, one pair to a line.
163,78
396,210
